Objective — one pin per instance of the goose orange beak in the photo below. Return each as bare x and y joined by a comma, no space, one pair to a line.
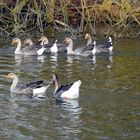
13,42
6,76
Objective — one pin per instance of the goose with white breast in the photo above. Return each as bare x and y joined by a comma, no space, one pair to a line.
52,47
32,89
78,51
69,91
106,47
28,50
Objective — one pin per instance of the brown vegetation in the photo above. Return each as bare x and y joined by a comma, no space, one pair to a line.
19,16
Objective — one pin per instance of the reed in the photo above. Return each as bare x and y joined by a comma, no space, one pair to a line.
122,17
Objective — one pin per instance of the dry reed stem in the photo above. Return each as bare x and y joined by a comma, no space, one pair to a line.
26,15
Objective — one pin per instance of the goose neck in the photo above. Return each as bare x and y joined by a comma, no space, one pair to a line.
70,48
14,84
18,49
89,41
30,43
57,84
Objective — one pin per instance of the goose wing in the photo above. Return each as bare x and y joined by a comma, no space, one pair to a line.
61,45
49,45
31,48
27,89
62,89
28,48
104,45
108,45
35,84
89,47
62,49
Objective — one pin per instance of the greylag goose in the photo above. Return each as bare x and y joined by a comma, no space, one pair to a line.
28,50
70,91
78,51
52,47
43,42
89,46
105,47
88,38
28,43
33,89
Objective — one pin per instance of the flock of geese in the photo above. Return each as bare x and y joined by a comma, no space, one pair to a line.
38,88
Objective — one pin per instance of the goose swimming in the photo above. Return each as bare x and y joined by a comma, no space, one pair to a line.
33,89
28,50
69,91
52,47
90,45
78,51
105,47
88,38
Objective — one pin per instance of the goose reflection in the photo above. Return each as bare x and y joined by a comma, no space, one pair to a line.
41,58
21,59
18,59
54,57
70,59
94,59
110,62
111,59
67,103
70,122
29,64
53,61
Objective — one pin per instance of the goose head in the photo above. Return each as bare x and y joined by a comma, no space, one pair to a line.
67,40
28,41
16,41
87,36
44,40
10,76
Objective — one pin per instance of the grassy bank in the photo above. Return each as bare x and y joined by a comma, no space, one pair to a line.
120,17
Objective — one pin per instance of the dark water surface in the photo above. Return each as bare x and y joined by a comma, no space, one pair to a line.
109,103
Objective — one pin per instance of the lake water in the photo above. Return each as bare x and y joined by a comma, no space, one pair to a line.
109,103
